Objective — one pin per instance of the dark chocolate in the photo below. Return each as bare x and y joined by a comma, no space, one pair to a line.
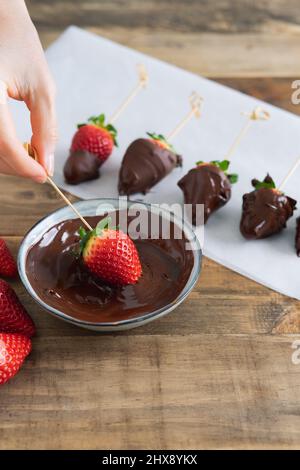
265,212
62,281
144,165
208,185
297,237
81,166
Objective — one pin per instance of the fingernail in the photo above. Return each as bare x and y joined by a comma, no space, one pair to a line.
41,180
50,164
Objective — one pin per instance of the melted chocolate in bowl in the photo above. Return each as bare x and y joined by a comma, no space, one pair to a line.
61,280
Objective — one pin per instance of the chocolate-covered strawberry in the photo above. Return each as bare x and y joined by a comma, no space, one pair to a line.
208,184
145,163
81,166
110,254
95,137
265,210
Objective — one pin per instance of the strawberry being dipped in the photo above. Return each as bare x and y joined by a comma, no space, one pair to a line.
13,316
145,163
110,254
14,349
208,184
8,267
265,210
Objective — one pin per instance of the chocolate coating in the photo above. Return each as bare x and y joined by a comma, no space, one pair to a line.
206,184
81,166
297,237
63,282
144,165
265,212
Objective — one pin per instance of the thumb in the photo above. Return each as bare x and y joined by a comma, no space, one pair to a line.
43,123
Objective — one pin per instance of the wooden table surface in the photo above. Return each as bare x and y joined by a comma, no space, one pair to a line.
216,373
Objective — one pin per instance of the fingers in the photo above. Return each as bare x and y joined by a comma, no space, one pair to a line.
43,123
13,157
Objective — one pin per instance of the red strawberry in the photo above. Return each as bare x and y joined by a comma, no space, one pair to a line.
160,140
95,137
13,351
110,254
13,316
8,267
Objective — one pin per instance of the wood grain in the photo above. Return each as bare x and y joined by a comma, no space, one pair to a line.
220,16
222,38
162,392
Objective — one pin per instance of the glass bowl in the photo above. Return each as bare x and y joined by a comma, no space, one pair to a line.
91,208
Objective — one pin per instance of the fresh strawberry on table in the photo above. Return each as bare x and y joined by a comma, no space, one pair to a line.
13,316
8,267
14,349
95,137
110,254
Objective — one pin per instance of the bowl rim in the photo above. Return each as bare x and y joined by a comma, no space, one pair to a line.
146,317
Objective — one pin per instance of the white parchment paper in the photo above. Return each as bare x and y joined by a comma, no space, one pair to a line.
94,75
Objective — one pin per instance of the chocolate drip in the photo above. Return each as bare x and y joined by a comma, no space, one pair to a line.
265,212
81,166
63,282
144,165
206,184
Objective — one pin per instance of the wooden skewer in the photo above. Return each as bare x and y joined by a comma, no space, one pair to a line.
143,80
258,114
290,173
196,102
30,150
68,202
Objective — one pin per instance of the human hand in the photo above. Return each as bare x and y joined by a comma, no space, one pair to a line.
24,76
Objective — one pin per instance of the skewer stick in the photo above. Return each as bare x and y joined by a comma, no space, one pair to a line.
143,80
290,173
196,102
68,202
30,150
258,114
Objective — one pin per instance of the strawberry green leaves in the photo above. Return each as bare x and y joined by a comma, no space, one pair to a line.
84,238
155,136
267,183
223,165
104,224
99,121
162,140
233,178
